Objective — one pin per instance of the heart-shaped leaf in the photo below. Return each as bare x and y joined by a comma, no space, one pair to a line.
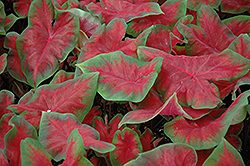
117,84
238,24
42,44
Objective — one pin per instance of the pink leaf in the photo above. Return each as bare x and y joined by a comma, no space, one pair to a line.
189,76
107,10
168,154
128,146
42,45
118,84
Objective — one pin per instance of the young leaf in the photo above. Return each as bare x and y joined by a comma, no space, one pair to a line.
55,129
107,10
42,45
73,96
168,154
21,130
204,133
238,24
189,76
128,146
196,4
62,76
33,153
224,154
117,84
235,6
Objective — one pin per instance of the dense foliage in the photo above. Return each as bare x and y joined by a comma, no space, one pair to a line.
124,82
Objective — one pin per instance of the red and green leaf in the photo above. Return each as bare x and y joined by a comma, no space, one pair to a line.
117,84
6,98
88,119
10,21
62,76
128,146
21,7
3,62
238,24
235,6
4,128
2,18
224,154
168,154
196,4
3,159
42,44
241,45
107,10
33,153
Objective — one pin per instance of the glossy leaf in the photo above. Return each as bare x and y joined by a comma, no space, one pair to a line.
235,6
188,76
33,153
41,45
196,4
107,10
21,130
73,96
173,10
204,133
117,84
238,24
167,154
75,151
128,146
224,154
109,39
6,98
55,129
62,76
204,38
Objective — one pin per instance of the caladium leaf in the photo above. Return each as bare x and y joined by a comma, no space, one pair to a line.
146,140
10,21
73,96
48,45
3,159
33,153
3,62
168,154
235,6
55,129
91,114
21,130
128,146
235,141
4,128
204,38
189,76
13,60
238,24
173,10
109,39
196,4
107,10
21,7
203,155
224,154
6,98
107,131
2,18
117,84
75,151
241,45
204,133
62,76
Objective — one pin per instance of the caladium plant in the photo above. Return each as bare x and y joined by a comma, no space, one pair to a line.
128,82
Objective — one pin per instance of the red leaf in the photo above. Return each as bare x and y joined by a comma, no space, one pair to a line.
128,146
41,45
55,128
196,4
3,159
146,140
21,130
241,45
235,6
2,18
10,21
203,155
62,76
238,24
189,76
173,10
88,119
204,38
4,128
107,10
21,7
73,96
3,62
235,141
6,98
109,39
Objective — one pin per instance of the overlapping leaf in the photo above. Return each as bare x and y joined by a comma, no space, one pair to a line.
6,99
42,44
117,84
107,10
128,146
189,76
3,62
73,96
196,4
235,6
238,24
210,36
62,76
224,154
168,154
21,7
204,133
241,45
55,129
173,10
4,128
2,18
